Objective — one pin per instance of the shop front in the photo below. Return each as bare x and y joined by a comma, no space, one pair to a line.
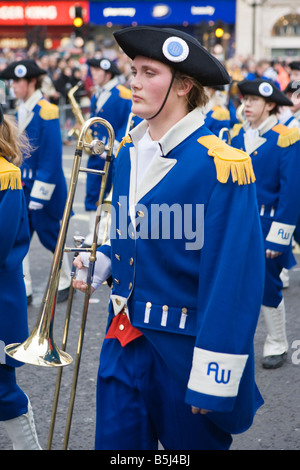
212,22
45,23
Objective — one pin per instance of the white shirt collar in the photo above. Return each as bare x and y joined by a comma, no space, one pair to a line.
180,131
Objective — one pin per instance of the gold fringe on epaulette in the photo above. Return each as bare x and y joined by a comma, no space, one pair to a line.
125,140
229,161
48,110
10,176
241,171
285,140
236,130
124,92
221,114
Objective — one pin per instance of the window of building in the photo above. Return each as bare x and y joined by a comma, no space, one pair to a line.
287,26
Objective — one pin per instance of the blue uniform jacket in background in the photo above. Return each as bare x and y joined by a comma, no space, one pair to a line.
194,286
14,245
42,173
114,105
275,156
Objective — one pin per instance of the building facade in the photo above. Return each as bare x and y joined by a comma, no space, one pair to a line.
268,29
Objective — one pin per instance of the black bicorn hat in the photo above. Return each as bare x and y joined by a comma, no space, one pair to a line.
264,88
294,65
104,64
175,48
292,87
22,69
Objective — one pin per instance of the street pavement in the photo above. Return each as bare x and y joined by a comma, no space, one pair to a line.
276,425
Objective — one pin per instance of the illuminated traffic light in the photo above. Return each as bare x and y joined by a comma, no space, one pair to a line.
219,32
78,21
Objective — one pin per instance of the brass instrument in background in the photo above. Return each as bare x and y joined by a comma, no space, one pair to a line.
240,113
79,119
40,348
223,131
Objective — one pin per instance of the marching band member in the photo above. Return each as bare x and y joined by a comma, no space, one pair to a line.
42,173
274,149
290,115
177,363
15,408
111,101
217,115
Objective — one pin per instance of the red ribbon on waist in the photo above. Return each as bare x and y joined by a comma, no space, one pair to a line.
121,329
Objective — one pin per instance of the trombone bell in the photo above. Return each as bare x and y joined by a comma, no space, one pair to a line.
38,350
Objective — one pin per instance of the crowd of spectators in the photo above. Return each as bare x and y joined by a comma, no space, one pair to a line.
66,68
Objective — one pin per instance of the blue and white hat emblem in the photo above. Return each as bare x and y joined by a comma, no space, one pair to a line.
175,49
265,89
105,64
20,71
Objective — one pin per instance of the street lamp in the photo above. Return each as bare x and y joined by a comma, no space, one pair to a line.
254,4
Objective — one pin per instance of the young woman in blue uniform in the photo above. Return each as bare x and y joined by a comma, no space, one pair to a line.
274,149
43,179
186,259
15,409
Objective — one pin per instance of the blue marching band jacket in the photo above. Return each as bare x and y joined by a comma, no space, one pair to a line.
42,173
14,235
113,104
275,157
192,280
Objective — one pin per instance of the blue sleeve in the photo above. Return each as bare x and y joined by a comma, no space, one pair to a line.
231,282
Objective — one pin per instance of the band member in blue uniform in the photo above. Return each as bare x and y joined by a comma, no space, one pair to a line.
186,259
15,408
274,149
217,115
42,174
111,101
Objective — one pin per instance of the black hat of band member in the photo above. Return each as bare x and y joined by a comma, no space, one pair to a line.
22,69
292,87
175,48
264,88
295,65
104,64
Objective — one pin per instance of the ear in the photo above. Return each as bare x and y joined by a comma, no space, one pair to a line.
184,86
270,105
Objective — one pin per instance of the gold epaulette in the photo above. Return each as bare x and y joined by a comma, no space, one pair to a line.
48,110
125,140
221,114
236,129
229,161
10,175
287,136
124,92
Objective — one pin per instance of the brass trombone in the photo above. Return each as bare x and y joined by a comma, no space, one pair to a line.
40,348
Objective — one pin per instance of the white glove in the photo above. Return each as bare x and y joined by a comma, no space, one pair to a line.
35,205
102,268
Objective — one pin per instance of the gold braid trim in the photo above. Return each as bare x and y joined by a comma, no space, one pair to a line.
229,161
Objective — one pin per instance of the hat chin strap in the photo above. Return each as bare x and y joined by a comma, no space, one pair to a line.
166,97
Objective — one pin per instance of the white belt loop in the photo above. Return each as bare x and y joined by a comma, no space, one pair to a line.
183,318
164,315
147,312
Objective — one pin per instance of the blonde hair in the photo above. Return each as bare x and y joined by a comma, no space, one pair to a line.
14,146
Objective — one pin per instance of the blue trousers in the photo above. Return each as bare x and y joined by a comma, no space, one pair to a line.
13,401
139,403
